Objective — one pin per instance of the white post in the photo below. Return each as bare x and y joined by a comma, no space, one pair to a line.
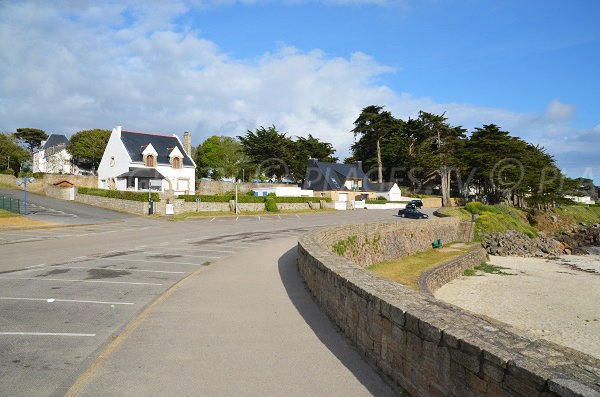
235,204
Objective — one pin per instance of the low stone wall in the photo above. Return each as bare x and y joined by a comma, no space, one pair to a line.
428,347
219,187
61,193
295,206
251,207
432,280
39,185
128,206
366,244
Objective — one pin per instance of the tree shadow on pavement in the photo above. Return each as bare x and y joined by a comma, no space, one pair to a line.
327,332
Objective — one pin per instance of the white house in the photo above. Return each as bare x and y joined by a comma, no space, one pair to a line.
391,190
283,191
52,156
581,199
139,161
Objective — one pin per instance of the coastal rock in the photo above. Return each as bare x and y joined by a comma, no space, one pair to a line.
514,243
579,238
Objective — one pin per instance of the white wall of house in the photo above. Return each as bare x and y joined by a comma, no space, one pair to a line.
115,161
394,194
56,163
581,199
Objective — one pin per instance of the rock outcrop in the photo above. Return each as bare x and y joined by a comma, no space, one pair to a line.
576,239
514,243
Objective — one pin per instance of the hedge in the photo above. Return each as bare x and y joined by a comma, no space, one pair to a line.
251,199
118,194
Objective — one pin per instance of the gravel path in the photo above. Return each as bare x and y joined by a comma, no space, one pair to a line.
557,300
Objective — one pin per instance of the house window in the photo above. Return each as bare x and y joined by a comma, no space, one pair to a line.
150,161
176,162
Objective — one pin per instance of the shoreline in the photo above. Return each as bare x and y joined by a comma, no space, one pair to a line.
550,298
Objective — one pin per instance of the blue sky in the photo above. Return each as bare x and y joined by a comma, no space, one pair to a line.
225,66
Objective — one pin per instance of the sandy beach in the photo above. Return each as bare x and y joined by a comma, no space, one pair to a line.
554,299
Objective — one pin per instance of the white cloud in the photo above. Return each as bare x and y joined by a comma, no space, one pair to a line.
70,66
558,111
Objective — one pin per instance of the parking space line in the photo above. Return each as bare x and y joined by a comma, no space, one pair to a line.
143,260
77,281
195,249
117,270
44,334
212,219
52,300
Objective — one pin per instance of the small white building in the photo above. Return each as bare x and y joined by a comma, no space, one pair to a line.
581,199
283,191
52,156
139,161
389,190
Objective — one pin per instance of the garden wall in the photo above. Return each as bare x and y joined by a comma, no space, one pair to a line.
219,187
128,206
435,278
39,185
428,347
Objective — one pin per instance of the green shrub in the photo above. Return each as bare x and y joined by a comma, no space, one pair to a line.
8,171
270,205
381,198
118,194
250,199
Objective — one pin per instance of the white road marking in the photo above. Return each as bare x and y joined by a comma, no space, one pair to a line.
118,269
143,260
33,266
52,300
212,219
259,217
76,281
236,218
195,249
44,334
278,216
297,216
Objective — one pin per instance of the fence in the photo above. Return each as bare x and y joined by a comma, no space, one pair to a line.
10,204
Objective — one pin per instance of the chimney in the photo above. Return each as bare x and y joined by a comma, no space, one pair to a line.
187,143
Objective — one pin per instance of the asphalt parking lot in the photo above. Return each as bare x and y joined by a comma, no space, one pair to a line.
53,318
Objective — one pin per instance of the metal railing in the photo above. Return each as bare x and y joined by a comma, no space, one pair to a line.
10,204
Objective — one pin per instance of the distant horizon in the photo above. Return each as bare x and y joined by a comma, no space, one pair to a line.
212,67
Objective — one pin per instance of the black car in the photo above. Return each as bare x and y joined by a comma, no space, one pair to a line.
412,213
415,204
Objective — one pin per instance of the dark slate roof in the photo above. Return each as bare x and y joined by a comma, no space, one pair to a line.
321,176
382,187
55,140
142,173
136,142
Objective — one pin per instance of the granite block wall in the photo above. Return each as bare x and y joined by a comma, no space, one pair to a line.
428,347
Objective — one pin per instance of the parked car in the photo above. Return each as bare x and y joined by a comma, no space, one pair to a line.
415,204
412,213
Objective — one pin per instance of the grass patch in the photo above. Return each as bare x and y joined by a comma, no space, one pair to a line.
7,214
408,269
487,268
469,272
494,219
456,212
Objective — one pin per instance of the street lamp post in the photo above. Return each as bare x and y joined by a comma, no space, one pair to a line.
24,182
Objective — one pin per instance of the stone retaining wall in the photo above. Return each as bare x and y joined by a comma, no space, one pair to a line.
39,185
128,206
376,242
432,280
219,187
428,347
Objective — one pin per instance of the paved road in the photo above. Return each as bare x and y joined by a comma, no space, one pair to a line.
52,210
250,328
67,292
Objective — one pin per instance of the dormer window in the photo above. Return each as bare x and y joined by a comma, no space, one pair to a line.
176,157
150,161
176,162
